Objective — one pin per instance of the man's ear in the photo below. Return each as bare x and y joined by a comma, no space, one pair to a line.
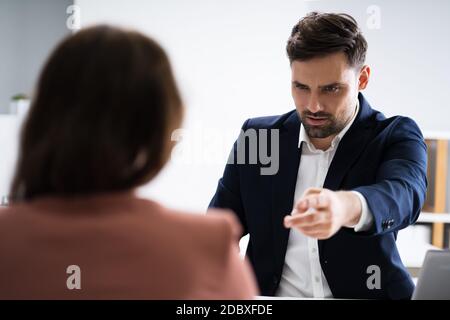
363,79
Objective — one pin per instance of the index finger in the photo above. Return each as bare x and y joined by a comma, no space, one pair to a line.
317,201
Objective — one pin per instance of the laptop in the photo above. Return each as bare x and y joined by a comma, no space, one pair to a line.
434,277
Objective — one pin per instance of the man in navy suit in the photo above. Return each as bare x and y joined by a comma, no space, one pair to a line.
325,222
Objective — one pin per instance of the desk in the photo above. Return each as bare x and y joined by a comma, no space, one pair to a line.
294,298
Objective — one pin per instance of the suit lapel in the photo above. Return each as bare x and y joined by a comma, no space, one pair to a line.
283,185
349,149
346,154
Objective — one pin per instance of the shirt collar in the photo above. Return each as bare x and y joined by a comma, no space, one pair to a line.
305,138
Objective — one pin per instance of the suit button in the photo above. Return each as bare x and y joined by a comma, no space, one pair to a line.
275,280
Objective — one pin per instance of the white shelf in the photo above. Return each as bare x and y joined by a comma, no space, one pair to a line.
437,135
427,217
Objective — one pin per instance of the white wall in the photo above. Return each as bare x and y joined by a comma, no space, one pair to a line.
229,58
29,29
230,62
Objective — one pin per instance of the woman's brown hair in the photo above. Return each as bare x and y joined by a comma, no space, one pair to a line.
101,120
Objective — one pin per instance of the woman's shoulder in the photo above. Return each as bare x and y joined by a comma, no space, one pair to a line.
220,222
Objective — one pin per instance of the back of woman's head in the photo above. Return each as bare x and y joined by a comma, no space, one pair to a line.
105,106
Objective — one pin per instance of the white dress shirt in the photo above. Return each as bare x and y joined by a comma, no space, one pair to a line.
302,273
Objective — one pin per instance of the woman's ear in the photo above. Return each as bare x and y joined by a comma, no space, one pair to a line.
363,79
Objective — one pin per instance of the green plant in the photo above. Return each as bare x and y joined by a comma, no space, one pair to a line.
20,96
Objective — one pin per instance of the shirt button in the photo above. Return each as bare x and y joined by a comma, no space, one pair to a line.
317,279
313,250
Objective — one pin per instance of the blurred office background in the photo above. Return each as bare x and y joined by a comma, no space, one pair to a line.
230,62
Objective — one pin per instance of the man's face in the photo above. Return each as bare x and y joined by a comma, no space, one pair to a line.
325,91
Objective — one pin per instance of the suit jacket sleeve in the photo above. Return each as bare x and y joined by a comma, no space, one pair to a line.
228,194
397,196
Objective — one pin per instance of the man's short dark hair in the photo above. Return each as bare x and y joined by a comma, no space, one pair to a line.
321,34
